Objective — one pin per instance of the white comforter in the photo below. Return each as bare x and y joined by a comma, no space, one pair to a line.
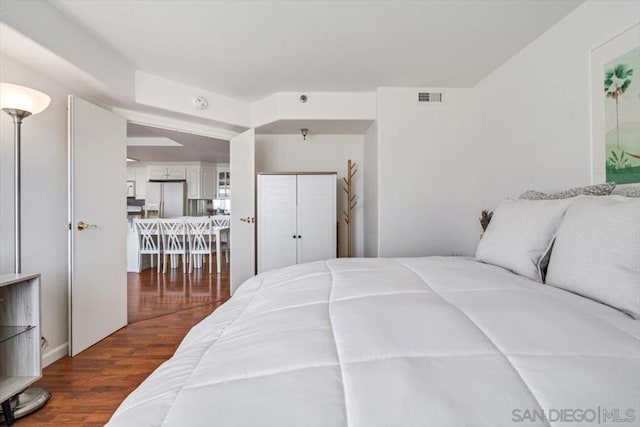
405,342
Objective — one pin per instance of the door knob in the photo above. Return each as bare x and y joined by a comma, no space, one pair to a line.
248,220
83,225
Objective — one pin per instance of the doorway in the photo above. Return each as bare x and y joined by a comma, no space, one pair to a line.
197,169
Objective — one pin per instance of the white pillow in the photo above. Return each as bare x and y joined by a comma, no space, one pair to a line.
597,251
520,233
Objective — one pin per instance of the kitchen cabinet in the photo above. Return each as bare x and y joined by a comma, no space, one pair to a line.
223,182
20,360
200,178
131,174
193,182
208,181
141,182
137,174
296,220
156,172
201,182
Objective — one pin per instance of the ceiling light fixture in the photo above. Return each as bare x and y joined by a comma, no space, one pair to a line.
304,132
129,159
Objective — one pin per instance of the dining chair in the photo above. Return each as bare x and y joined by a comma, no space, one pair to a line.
174,242
221,220
224,223
201,239
149,238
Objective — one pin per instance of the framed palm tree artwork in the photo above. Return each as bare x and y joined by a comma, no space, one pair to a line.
615,102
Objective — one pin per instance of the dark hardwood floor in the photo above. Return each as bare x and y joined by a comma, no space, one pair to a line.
151,294
88,388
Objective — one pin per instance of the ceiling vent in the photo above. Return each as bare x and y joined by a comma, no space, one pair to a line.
430,98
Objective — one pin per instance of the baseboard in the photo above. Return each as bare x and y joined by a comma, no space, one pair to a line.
53,354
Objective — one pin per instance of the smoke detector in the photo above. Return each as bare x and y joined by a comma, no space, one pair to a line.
200,102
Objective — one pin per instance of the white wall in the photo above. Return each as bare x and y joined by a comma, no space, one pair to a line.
44,199
526,125
371,200
289,153
534,112
425,174
36,32
175,96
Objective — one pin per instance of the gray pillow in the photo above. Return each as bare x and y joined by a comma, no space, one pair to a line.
520,234
629,190
597,251
591,190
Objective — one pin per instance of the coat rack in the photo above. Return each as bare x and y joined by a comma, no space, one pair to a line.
351,203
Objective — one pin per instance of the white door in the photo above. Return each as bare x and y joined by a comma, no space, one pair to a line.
316,217
277,233
243,196
97,253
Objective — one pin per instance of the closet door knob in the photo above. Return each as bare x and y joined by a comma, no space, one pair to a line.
294,236
299,236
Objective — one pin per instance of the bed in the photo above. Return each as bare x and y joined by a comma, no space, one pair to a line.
434,341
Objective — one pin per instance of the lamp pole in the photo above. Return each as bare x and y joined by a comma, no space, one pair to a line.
18,116
20,102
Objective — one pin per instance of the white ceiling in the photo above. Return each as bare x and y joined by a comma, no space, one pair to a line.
250,49
151,141
190,147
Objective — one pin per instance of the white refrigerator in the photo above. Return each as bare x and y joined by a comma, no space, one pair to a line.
167,199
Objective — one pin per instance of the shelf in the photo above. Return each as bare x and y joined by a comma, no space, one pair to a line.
8,332
20,353
12,385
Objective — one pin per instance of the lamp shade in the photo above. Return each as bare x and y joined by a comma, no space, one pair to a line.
16,97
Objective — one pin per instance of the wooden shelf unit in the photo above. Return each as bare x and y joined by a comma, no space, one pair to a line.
20,360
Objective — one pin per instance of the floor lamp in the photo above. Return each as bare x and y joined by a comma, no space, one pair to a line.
21,102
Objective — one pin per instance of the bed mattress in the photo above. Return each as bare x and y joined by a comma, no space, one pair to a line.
430,341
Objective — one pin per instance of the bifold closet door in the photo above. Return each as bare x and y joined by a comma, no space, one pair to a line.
316,217
277,235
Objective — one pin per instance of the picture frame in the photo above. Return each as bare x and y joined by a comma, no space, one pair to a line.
615,107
